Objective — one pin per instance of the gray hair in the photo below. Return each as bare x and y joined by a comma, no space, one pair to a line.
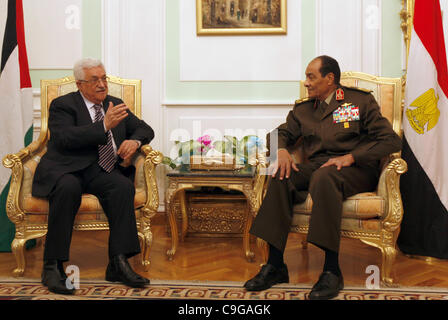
86,63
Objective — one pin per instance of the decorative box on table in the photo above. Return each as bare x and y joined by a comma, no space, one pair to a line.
220,162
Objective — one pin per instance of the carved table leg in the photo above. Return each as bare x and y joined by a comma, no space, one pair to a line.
183,208
246,238
173,225
253,209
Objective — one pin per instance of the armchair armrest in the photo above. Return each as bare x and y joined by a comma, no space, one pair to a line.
16,162
260,186
151,159
389,189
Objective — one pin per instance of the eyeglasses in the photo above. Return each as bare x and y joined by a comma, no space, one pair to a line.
96,81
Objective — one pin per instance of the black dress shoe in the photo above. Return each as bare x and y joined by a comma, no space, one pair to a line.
61,270
54,279
327,287
267,277
119,270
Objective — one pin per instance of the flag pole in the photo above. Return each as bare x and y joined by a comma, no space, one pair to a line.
410,22
407,18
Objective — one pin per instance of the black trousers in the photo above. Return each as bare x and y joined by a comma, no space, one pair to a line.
328,188
116,195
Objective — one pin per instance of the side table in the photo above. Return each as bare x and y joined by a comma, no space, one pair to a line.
246,180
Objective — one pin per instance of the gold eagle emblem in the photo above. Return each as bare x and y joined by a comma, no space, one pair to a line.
426,112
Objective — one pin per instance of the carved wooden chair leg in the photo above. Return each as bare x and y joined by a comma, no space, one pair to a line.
388,254
18,249
145,235
146,242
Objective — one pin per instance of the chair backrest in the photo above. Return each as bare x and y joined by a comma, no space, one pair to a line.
387,92
128,90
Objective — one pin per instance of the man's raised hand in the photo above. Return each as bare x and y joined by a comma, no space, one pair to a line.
114,115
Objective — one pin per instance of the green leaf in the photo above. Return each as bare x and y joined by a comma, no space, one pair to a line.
223,146
246,138
189,148
169,162
173,166
219,146
232,140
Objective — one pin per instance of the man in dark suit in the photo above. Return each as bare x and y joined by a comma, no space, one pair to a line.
91,135
344,138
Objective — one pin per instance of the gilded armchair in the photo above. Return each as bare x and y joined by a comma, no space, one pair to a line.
372,217
30,214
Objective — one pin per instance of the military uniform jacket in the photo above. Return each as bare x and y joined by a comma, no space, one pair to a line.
352,124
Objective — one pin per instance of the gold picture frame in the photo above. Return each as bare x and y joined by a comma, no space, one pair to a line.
240,17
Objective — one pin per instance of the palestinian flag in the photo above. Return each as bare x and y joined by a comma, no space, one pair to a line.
424,188
16,108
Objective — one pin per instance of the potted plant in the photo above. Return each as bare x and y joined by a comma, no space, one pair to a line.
242,152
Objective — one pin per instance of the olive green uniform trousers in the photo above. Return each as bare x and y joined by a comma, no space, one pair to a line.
328,188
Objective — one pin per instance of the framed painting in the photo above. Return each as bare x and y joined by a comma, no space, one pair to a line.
238,17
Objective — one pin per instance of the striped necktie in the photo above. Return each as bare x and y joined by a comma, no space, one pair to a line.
106,153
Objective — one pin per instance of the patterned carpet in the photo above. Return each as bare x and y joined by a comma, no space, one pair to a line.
32,289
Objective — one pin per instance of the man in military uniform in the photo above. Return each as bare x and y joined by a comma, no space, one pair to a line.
344,138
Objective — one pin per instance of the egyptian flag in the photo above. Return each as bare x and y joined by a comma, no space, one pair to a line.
16,109
424,188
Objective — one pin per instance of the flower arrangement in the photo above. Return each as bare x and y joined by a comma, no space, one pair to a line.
244,151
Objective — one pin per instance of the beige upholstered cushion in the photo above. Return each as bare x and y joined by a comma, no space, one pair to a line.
366,205
89,203
90,206
347,224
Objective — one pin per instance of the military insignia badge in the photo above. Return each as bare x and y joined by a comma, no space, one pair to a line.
345,113
426,114
339,94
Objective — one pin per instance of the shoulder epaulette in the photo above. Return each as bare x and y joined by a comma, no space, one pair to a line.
299,101
360,89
